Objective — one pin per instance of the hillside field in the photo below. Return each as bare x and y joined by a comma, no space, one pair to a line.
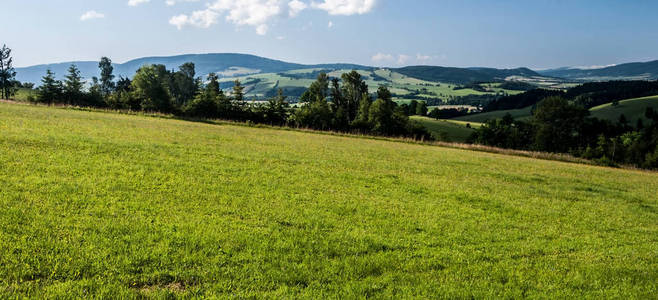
522,113
633,109
454,131
126,206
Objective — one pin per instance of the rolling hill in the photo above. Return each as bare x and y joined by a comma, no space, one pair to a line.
628,71
106,205
463,75
228,64
632,109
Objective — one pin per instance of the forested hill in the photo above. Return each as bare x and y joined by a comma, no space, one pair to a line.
463,75
226,64
636,70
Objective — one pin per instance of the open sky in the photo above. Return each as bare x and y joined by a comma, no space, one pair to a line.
488,33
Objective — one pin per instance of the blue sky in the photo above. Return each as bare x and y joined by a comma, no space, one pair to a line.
500,33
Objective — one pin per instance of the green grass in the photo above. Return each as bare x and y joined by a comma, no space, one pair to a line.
121,206
523,113
633,109
455,131
23,94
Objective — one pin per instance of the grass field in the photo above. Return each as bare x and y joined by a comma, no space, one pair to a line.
633,109
522,113
454,131
121,206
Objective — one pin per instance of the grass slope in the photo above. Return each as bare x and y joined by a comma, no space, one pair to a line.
455,131
633,109
498,114
119,206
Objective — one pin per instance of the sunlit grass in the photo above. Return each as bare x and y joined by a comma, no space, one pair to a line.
121,206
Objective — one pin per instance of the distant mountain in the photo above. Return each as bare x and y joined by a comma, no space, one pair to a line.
226,64
463,75
638,70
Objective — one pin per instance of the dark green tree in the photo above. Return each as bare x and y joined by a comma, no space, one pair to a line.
7,73
73,86
421,108
558,125
184,85
150,88
318,90
352,92
238,92
50,90
107,78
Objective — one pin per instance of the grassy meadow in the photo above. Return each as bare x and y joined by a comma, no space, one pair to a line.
449,130
522,113
632,109
127,206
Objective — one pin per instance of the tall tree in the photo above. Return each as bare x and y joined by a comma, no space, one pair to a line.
7,73
107,78
150,88
50,90
184,85
558,124
73,86
421,108
353,89
318,90
238,92
213,83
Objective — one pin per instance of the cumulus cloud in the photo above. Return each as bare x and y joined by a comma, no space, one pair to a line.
254,13
296,7
421,57
173,2
201,19
137,2
346,7
400,59
382,57
92,14
403,59
260,13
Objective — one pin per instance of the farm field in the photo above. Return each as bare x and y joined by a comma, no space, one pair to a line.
295,82
454,131
632,109
127,206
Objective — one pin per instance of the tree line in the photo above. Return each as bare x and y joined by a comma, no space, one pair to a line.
338,104
559,125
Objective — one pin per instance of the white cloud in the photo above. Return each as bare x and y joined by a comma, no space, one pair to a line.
173,2
137,2
261,13
280,38
421,57
296,7
331,24
92,14
382,57
403,59
254,13
201,19
346,7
